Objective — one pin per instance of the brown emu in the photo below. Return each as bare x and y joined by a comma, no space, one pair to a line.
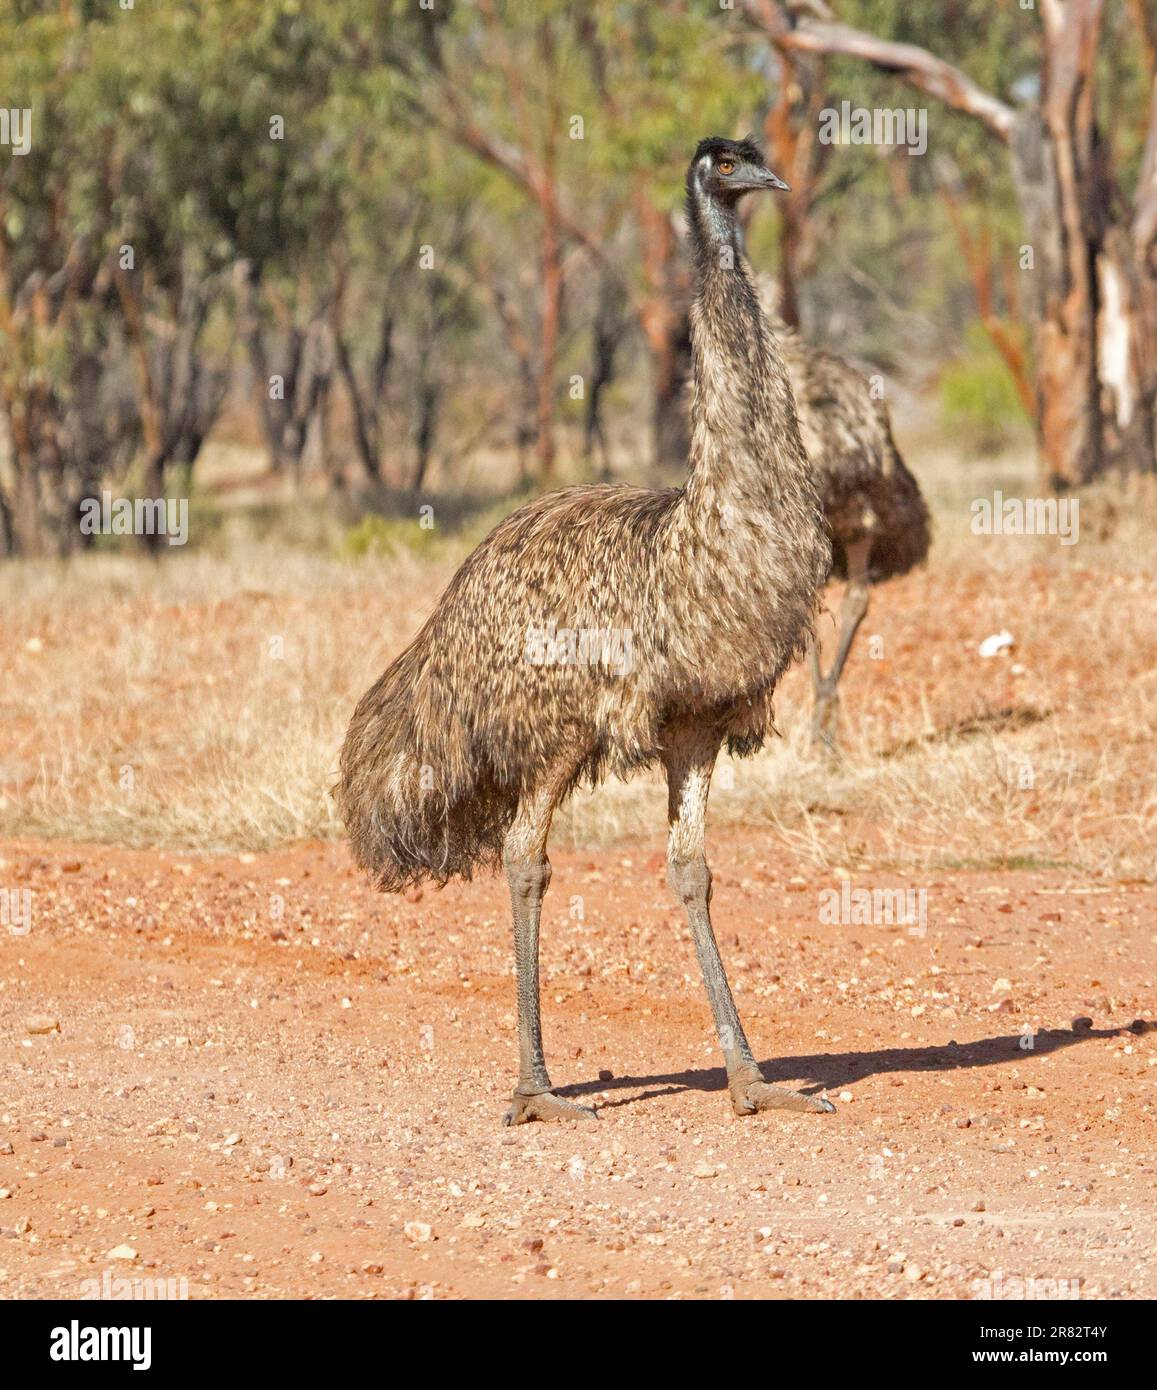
873,506
601,629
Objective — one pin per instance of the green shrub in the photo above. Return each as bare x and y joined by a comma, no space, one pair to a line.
978,398
380,535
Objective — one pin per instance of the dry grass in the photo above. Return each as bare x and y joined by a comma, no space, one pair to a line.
200,702
195,702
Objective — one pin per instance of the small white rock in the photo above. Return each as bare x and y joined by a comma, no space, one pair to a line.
997,643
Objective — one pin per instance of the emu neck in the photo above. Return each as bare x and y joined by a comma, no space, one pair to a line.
745,444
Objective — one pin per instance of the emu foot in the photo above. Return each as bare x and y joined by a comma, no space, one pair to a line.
750,1093
544,1106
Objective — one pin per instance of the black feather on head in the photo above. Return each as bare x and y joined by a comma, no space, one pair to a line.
746,150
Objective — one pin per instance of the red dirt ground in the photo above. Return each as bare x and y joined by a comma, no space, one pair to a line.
269,1081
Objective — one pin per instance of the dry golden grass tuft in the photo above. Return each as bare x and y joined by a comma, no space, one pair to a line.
199,702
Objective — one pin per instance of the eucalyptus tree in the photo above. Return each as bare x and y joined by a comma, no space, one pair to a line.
1067,91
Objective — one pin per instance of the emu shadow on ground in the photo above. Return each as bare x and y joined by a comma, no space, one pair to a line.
831,1070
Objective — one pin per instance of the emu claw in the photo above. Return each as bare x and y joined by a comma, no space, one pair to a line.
762,1095
544,1106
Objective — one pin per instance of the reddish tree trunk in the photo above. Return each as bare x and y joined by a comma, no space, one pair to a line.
548,356
1094,319
798,157
663,316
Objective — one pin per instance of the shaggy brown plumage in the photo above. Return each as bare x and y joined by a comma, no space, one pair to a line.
866,488
714,581
669,617
875,512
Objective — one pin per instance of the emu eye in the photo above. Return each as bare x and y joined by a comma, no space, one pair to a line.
726,166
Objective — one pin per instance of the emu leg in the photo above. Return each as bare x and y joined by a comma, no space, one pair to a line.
852,611
817,675
689,759
528,873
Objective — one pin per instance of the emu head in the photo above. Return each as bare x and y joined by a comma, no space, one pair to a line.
725,169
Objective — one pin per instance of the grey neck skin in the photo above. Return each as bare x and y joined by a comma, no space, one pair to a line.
714,225
717,245
745,445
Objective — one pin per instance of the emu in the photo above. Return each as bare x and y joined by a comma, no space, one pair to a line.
873,506
459,755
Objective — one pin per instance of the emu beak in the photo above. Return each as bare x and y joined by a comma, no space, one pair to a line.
771,180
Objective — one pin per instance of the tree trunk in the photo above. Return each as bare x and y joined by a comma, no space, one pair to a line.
798,157
551,316
1062,198
610,326
249,313
27,534
429,397
26,528
1126,350
155,466
671,431
664,317
1094,319
1064,306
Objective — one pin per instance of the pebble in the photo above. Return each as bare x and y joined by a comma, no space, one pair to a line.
41,1023
121,1252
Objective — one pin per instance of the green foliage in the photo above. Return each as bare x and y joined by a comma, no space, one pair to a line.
376,535
153,127
978,398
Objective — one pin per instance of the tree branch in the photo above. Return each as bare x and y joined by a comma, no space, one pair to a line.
923,70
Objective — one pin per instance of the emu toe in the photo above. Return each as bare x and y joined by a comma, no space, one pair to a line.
748,1097
544,1106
